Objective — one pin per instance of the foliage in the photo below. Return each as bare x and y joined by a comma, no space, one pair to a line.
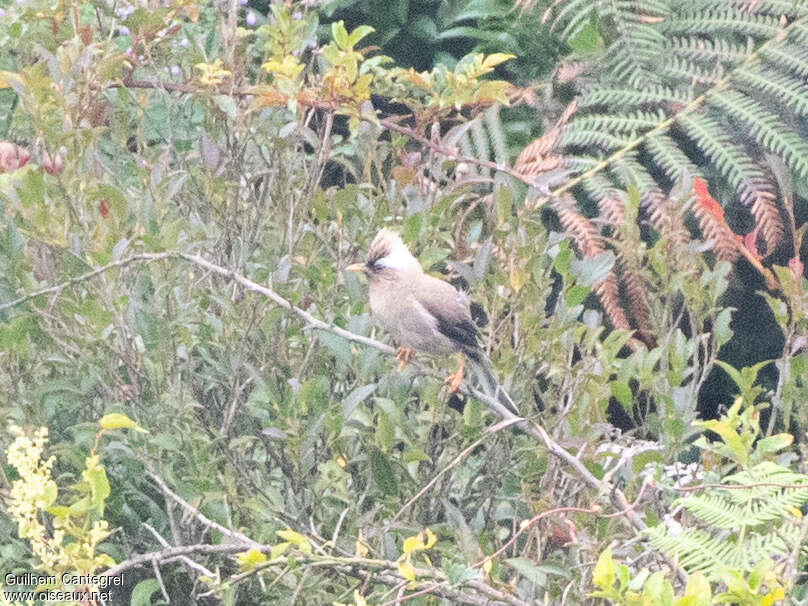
65,537
721,101
745,523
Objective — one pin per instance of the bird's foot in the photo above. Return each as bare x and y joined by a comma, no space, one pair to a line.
403,355
456,378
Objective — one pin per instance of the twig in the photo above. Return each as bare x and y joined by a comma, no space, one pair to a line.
390,124
84,277
184,559
159,577
172,553
233,534
488,432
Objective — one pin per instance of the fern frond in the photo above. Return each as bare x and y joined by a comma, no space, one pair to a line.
625,98
533,158
696,550
787,57
705,49
589,242
619,123
768,220
608,292
631,173
586,236
680,68
731,159
609,200
579,137
782,87
715,229
786,8
636,294
666,216
669,157
496,132
798,32
766,127
726,21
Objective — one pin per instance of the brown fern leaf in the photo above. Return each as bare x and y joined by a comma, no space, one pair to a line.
636,290
609,294
713,227
590,243
534,158
768,221
584,233
612,208
666,217
541,165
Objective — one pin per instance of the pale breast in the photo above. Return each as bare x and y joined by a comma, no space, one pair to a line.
407,320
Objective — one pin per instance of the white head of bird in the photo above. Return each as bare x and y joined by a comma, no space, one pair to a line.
388,259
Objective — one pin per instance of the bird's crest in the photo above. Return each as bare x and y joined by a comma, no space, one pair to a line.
384,244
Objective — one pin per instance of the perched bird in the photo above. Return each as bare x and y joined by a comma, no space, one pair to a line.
423,313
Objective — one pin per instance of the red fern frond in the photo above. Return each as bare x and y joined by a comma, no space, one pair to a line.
713,226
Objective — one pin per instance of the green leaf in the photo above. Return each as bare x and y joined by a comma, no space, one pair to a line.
587,39
622,393
143,592
296,539
697,592
99,487
593,270
339,34
603,575
353,399
721,327
227,105
773,443
383,475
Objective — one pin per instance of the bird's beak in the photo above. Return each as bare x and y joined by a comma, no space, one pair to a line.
356,267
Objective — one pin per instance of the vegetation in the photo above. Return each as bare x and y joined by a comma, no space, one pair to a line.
197,407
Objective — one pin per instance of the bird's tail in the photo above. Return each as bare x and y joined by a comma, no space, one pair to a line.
488,382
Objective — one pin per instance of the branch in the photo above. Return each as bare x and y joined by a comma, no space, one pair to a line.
172,553
390,124
243,539
309,101
84,277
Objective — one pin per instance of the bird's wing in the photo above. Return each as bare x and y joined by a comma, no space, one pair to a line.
450,308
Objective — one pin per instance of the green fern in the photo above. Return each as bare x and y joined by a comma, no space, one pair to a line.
739,527
705,88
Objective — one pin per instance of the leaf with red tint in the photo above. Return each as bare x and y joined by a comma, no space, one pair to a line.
706,201
12,157
103,209
52,164
750,241
796,267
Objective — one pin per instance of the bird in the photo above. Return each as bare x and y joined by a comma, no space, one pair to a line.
424,314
